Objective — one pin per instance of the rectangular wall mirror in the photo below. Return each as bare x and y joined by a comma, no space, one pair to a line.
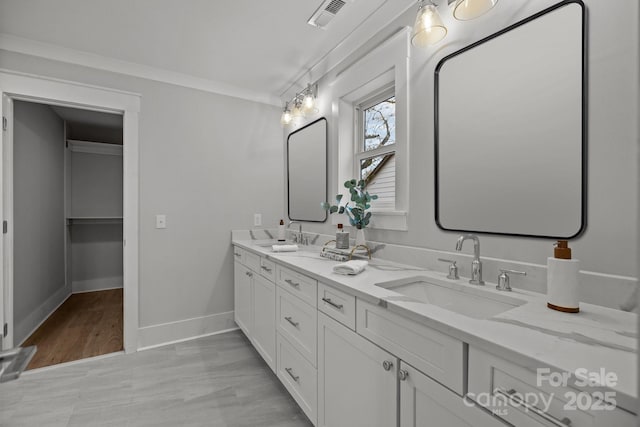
510,133
307,172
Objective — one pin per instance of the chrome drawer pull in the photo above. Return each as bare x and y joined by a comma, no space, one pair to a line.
292,283
387,365
290,372
332,304
511,395
289,319
403,375
267,269
237,254
248,273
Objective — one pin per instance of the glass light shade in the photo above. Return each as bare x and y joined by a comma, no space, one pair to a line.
296,114
465,10
285,119
309,104
428,28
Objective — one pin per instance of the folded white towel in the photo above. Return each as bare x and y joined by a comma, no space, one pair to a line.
284,248
350,267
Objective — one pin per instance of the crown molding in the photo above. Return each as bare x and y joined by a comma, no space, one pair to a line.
30,47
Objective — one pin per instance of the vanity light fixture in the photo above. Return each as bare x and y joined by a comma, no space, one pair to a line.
465,10
428,28
309,100
296,112
286,118
304,105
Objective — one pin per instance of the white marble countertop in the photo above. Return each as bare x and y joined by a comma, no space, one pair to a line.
530,335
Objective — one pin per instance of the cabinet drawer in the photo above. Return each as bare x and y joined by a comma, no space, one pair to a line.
298,284
299,377
337,304
268,269
493,380
252,261
436,354
238,254
297,321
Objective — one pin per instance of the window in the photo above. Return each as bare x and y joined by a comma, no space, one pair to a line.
370,108
375,153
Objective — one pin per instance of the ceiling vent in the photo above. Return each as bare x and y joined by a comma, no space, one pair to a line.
325,13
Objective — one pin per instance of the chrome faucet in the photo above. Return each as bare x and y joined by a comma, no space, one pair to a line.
297,237
476,265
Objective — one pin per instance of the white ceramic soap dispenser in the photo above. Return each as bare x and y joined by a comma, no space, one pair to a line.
562,279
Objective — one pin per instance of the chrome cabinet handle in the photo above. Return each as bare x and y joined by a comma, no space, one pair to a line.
511,395
267,269
387,365
403,375
292,283
248,273
290,372
290,320
237,254
332,304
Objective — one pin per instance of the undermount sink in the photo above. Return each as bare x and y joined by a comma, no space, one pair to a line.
462,299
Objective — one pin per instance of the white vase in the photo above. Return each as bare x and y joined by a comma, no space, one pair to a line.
360,238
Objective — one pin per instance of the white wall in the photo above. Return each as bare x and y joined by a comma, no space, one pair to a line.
39,273
608,245
208,162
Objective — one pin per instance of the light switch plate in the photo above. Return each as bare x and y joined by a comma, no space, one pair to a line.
257,219
161,221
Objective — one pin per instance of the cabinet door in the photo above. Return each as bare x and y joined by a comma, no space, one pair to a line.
425,403
243,298
357,383
264,319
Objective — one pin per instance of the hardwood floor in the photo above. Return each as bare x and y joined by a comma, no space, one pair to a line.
218,381
85,325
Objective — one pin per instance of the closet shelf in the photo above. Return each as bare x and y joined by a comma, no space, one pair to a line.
85,220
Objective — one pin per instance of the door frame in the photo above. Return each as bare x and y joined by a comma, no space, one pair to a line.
44,90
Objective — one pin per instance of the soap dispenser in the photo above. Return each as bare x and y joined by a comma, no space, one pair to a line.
281,232
342,238
562,279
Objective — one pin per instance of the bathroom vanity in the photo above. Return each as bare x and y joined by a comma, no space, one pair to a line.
369,350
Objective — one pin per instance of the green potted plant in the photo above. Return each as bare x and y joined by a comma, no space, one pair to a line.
356,212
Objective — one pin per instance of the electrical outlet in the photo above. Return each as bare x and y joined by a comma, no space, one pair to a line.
257,219
161,221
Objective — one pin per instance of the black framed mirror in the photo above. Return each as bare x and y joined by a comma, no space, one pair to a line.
307,172
510,129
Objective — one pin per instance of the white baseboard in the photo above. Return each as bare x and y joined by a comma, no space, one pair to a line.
100,284
24,328
183,330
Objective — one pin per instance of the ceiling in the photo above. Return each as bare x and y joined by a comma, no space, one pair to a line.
264,47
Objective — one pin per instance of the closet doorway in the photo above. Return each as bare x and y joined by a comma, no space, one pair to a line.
15,87
67,232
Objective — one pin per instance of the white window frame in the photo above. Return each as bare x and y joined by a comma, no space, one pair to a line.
385,67
359,153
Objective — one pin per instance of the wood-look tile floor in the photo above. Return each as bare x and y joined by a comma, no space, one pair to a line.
216,381
85,325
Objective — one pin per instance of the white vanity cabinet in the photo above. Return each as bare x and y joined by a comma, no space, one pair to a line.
362,384
519,396
255,302
264,319
356,379
243,298
424,402
349,363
